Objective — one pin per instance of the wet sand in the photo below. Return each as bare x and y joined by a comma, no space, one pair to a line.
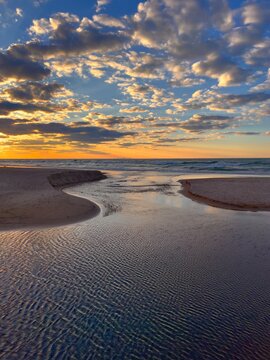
34,197
250,194
159,277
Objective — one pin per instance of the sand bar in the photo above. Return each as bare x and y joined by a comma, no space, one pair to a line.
249,193
34,197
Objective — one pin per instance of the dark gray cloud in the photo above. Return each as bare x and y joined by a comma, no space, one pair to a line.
179,140
21,68
72,132
112,121
245,99
34,91
217,101
201,123
6,107
244,133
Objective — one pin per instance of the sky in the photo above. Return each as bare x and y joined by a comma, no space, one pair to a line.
134,79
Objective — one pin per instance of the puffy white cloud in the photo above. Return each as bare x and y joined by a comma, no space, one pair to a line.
169,24
165,44
46,26
178,25
69,36
223,69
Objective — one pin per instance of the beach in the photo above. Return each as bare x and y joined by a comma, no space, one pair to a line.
34,197
154,275
240,193
135,180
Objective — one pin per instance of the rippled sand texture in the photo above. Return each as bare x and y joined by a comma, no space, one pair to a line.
158,277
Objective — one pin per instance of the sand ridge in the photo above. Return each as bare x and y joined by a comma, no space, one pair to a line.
239,193
32,197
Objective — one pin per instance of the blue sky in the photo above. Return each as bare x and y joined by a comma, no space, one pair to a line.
115,78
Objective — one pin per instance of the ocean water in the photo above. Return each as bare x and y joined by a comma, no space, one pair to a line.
180,166
154,276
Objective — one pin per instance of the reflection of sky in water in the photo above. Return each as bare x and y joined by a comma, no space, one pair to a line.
146,188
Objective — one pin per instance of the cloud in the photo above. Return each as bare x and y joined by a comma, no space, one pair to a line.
179,26
146,95
201,123
111,121
243,38
196,124
137,91
20,68
230,103
9,15
158,23
222,15
166,141
245,99
48,101
263,86
223,69
7,107
39,2
141,58
259,55
46,26
146,66
19,12
70,36
72,132
182,34
101,3
36,91
110,21
258,14
243,133
134,109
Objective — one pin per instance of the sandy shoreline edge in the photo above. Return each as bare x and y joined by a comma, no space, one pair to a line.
32,197
245,193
